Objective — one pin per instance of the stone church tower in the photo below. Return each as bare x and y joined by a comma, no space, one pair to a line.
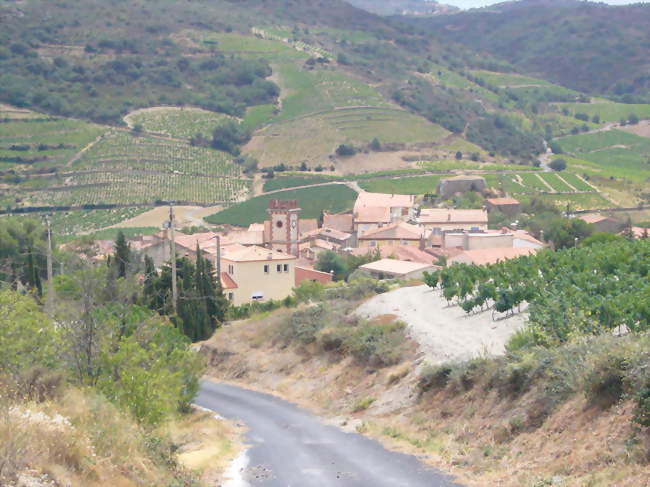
285,226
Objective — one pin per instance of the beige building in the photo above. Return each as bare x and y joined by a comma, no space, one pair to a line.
447,220
399,233
375,210
256,274
475,241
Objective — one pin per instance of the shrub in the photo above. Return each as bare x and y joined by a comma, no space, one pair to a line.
434,377
557,164
344,150
604,384
377,344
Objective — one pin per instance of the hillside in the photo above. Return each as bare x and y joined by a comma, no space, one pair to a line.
586,46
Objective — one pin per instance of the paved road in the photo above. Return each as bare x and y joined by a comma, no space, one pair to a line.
290,447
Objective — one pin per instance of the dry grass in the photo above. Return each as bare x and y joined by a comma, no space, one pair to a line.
206,444
481,437
81,439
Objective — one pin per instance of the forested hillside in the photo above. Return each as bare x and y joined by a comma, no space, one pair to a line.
586,46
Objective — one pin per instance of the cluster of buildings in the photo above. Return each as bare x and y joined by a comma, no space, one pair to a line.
268,259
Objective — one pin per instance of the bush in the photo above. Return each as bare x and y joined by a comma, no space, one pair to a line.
558,165
434,377
605,383
377,344
345,150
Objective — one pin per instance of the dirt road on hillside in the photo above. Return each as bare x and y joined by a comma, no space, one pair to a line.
444,333
291,447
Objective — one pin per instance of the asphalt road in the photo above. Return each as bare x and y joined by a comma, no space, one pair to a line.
290,447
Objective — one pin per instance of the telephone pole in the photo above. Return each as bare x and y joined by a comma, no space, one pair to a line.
172,243
49,304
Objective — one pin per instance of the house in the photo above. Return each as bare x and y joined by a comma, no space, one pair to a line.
507,206
448,187
304,273
253,273
489,256
373,210
408,253
442,219
399,233
523,239
397,269
602,223
640,232
343,222
332,235
475,241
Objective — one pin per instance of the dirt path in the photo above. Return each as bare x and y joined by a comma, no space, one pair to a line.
444,333
350,184
79,154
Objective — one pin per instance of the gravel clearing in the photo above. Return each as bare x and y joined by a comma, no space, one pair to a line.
444,333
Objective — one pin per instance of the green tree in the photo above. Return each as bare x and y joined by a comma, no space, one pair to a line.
633,119
459,155
122,255
28,338
329,261
558,164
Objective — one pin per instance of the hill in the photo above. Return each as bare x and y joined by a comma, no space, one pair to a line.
404,7
590,47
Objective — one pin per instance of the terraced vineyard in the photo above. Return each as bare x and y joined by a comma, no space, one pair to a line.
116,166
177,122
613,152
29,140
314,138
608,111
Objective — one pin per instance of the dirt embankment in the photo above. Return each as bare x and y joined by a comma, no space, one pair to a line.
478,435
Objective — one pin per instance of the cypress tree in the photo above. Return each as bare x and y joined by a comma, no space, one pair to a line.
122,254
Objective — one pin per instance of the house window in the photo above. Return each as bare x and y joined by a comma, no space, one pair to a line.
373,243
231,269
266,268
286,267
278,267
231,296
258,296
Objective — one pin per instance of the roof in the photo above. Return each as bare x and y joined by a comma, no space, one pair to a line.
324,244
491,256
227,282
444,215
383,200
400,252
524,235
247,237
307,225
396,231
307,273
343,222
190,241
373,214
395,267
639,232
240,253
594,217
256,227
328,232
502,201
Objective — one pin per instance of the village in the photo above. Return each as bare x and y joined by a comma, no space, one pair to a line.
397,236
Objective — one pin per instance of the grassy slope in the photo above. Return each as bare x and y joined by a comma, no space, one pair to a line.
333,198
480,434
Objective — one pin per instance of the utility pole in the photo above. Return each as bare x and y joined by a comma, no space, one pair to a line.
172,243
49,304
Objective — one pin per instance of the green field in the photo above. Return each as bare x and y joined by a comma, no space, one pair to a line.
575,181
407,185
282,182
556,182
609,111
312,201
178,122
509,79
258,115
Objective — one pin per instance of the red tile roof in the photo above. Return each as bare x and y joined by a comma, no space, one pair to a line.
490,256
396,231
502,201
227,282
343,222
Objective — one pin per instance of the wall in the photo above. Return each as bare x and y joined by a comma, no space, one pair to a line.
250,279
379,243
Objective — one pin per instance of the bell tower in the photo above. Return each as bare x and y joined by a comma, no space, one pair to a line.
284,223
